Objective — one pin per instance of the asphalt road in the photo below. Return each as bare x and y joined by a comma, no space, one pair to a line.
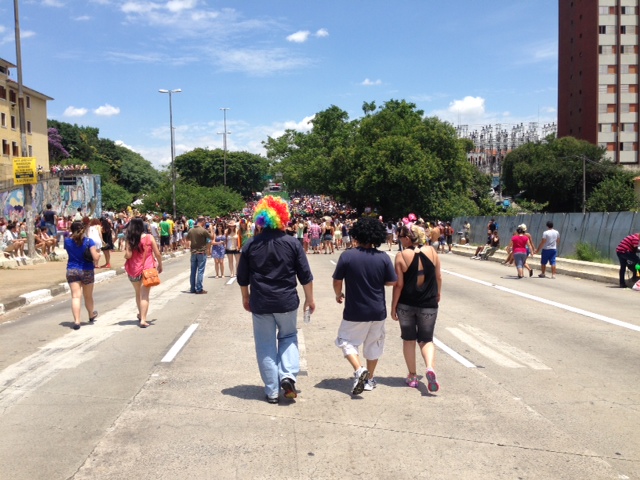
538,380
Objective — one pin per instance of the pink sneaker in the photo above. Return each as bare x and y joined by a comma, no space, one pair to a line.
411,381
432,380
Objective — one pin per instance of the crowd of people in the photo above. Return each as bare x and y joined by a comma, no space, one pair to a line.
267,247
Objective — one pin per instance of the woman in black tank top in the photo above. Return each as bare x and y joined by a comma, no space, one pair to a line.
415,304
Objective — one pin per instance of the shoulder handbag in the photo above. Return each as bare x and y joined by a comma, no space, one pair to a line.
86,253
150,276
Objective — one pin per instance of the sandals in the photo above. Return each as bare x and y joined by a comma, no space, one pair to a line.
95,316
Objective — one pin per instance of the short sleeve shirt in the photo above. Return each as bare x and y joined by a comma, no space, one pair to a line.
365,272
551,236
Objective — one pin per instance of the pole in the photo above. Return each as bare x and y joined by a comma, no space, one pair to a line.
28,198
173,157
584,184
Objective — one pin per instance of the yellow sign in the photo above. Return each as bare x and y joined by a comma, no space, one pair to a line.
25,171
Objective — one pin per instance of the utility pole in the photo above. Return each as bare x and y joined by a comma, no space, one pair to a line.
28,198
224,141
584,184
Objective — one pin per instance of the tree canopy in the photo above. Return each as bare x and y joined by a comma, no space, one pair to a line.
552,172
393,159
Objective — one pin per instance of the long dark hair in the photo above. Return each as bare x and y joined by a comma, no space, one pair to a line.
77,232
135,229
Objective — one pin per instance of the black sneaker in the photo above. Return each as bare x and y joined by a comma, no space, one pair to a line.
289,387
272,399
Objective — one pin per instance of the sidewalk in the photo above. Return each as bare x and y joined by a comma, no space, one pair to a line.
36,283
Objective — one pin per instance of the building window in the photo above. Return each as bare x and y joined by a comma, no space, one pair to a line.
606,49
5,147
624,88
613,69
28,100
633,88
628,69
3,120
629,49
628,127
3,93
624,108
610,89
611,108
602,29
603,10
628,10
602,88
30,147
626,146
12,96
28,126
602,108
14,147
605,128
13,122
602,69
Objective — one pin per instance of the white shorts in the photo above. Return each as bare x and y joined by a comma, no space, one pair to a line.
368,334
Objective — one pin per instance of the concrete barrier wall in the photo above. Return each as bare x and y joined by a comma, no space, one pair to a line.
601,229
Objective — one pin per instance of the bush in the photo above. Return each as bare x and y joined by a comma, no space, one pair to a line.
588,253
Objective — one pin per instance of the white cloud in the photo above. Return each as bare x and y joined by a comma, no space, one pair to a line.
258,62
107,110
120,143
299,37
82,18
370,83
474,106
75,112
52,3
180,5
323,32
139,7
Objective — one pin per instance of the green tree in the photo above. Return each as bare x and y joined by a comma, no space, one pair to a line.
246,171
614,194
115,197
552,172
193,200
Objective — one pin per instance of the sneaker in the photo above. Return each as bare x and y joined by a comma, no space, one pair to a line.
360,377
370,385
432,384
272,399
411,381
289,387
542,275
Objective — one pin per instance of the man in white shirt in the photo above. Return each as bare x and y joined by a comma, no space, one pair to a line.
549,247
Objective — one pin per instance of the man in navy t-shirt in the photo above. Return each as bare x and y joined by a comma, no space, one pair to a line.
366,271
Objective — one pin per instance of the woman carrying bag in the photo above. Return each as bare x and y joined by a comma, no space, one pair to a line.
141,253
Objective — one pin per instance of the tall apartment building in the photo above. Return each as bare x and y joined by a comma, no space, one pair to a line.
35,108
598,71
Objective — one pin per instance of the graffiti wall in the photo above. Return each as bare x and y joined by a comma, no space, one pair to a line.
65,195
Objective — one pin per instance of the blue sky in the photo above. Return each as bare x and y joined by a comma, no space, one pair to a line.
276,63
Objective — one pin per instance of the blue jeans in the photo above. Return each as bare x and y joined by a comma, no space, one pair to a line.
198,262
278,355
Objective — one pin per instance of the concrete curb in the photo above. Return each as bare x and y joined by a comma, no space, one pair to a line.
597,272
44,295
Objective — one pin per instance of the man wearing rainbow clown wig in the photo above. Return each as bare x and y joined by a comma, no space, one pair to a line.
269,264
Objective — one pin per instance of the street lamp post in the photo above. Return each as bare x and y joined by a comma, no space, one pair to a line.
173,148
224,142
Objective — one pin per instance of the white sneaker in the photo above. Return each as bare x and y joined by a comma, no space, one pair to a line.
370,385
360,377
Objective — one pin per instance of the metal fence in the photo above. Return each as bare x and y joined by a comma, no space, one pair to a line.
602,230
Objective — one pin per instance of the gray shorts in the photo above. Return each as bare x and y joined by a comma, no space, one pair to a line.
416,323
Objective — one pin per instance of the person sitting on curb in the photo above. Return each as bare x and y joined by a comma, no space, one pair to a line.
627,252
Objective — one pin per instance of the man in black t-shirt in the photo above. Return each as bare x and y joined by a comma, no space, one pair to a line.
366,271
50,218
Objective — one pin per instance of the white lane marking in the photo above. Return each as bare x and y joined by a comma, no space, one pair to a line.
184,338
483,350
451,352
231,280
77,346
579,311
503,347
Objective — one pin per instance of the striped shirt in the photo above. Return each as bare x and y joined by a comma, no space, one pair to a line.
629,244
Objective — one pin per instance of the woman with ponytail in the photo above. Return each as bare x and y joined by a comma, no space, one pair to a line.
80,272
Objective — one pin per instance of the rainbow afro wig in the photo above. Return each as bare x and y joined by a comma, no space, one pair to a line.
271,212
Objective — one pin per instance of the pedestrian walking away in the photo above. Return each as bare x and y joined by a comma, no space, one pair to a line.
197,238
366,271
415,304
548,249
80,272
627,252
141,252
271,263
